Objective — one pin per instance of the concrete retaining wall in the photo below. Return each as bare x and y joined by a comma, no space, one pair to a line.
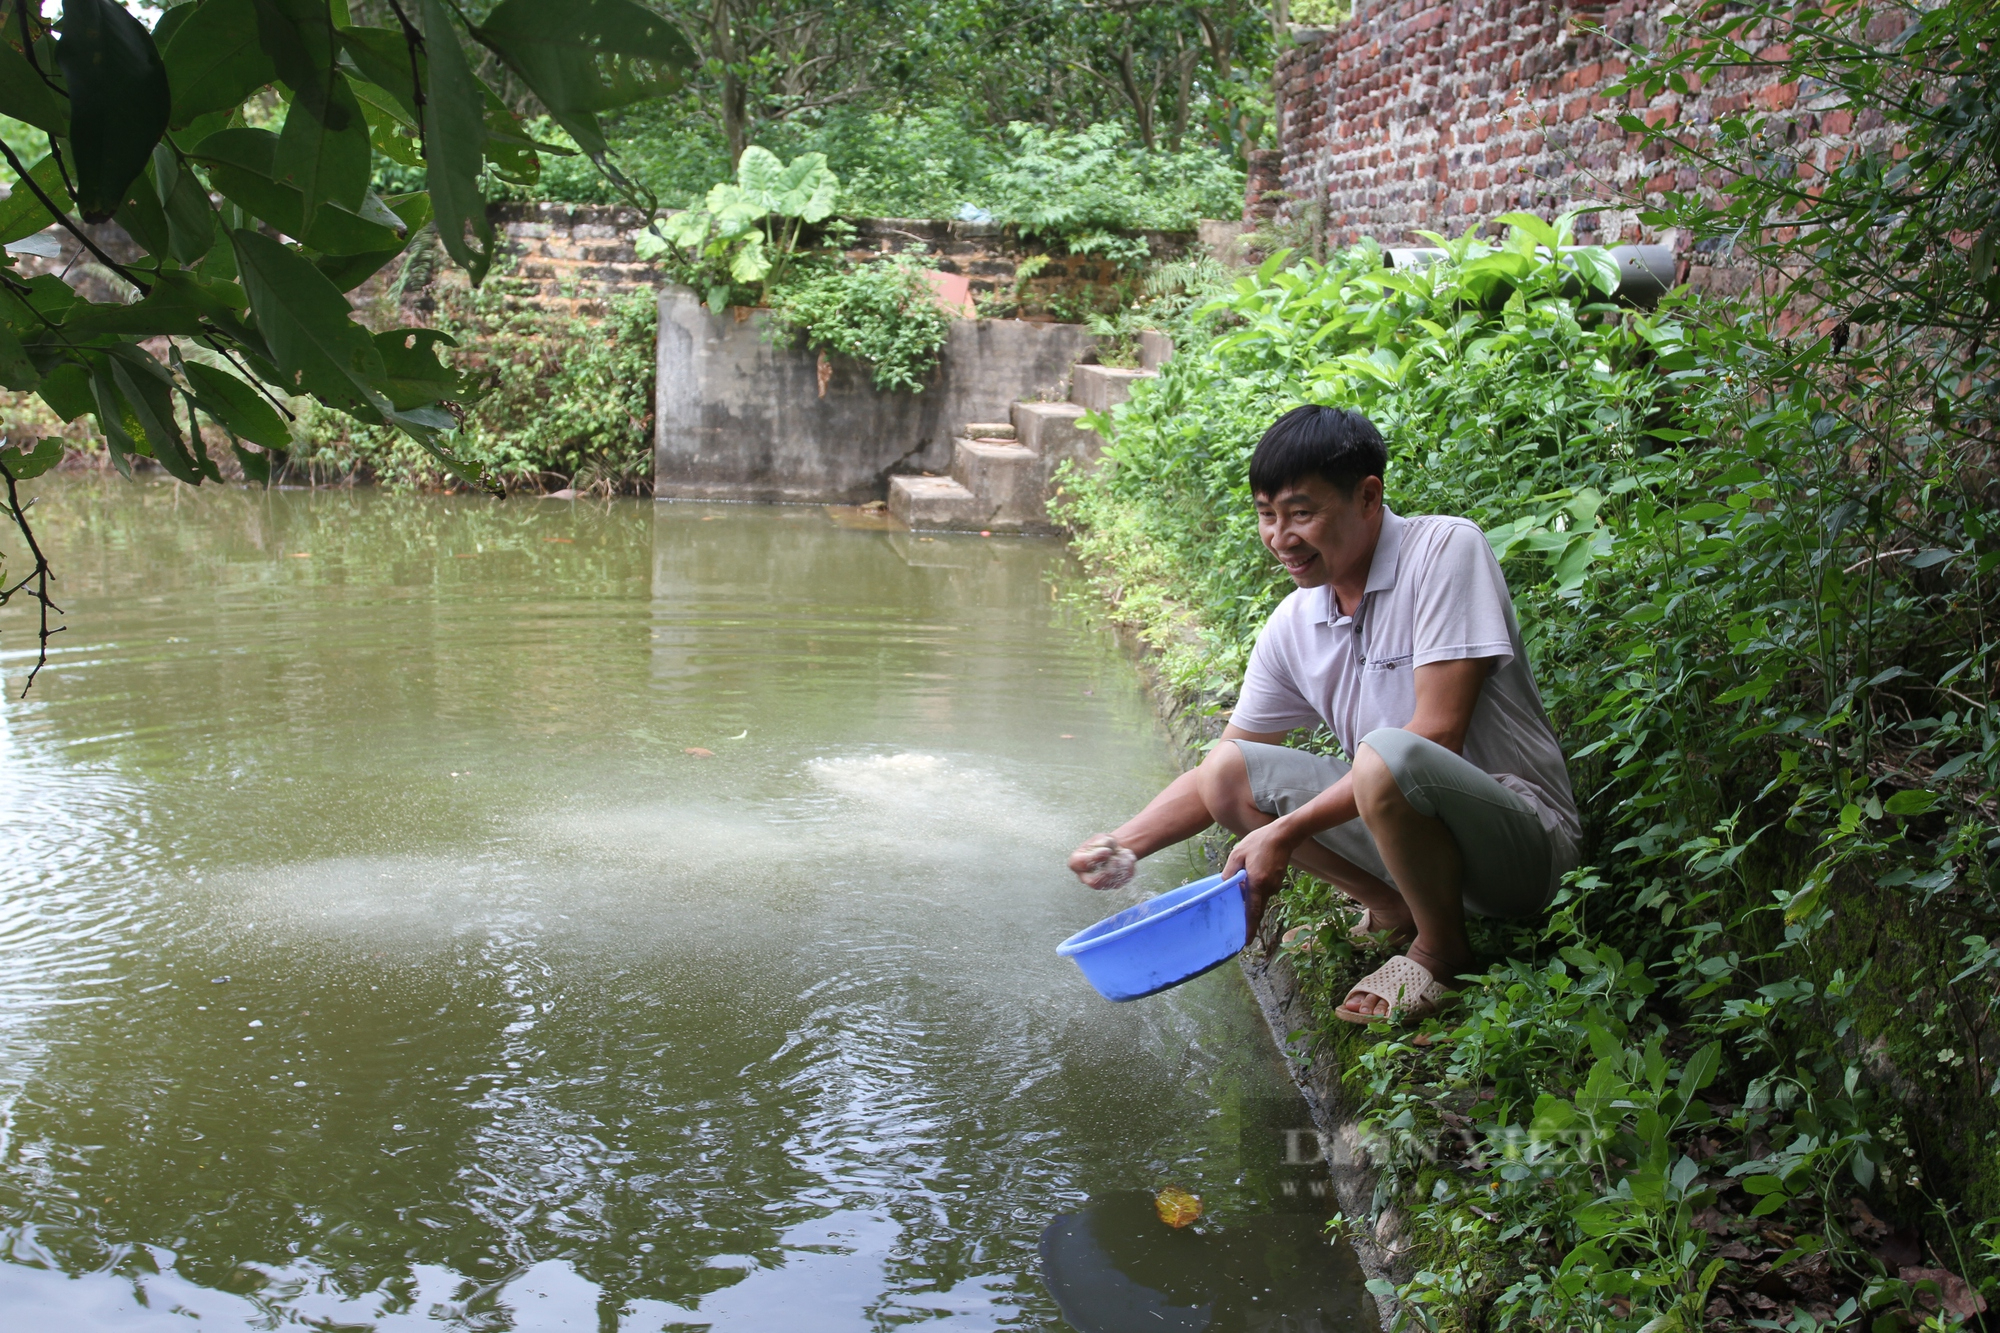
737,418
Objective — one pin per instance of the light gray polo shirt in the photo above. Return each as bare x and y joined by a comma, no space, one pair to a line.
1434,594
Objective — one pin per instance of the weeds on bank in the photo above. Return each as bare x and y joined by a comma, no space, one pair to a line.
568,403
1743,1078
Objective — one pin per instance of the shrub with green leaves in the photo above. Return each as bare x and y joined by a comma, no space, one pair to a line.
1759,587
884,314
1500,374
568,400
1088,187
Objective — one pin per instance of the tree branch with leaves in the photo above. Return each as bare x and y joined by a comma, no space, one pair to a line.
250,239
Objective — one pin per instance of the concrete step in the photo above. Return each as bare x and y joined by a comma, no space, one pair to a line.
1049,430
1007,478
936,503
989,430
1099,388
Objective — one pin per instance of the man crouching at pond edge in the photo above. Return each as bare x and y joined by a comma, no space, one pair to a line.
1401,638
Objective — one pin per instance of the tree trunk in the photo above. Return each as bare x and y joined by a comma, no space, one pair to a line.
735,97
1142,106
1188,60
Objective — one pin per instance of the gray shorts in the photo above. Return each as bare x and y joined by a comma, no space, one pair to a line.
1510,868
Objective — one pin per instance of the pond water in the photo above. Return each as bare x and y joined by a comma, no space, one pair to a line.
423,913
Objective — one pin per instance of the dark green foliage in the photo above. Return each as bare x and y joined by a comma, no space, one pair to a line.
275,310
215,59
118,101
236,406
587,57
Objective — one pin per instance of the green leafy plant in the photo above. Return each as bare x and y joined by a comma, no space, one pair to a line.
1088,189
884,314
747,232
566,402
1756,574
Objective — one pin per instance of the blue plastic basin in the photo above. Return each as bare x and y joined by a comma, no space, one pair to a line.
1163,941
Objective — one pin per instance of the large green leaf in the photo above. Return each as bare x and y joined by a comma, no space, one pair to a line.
309,327
753,262
21,213
118,99
66,389
132,396
508,148
807,189
16,370
240,164
214,297
114,416
385,129
414,209
198,444
298,36
238,406
189,216
758,173
349,271
416,377
214,58
382,55
585,56
323,152
454,140
803,189
25,462
23,94
143,219
163,311
592,55
152,409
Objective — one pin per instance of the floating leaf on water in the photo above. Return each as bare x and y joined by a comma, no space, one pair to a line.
1177,1208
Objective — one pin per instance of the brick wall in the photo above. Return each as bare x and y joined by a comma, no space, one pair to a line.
1428,115
577,255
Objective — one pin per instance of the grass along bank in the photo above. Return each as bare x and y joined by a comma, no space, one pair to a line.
1745,1070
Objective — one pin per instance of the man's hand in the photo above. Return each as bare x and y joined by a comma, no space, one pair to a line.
1266,853
1103,863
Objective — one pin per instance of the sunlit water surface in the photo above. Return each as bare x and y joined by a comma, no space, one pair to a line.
375,952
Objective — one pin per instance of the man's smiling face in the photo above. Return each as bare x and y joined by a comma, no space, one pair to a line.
1318,531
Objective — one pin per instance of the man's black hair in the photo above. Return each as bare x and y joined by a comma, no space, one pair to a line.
1336,443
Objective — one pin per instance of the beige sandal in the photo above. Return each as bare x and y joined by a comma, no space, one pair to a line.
1412,992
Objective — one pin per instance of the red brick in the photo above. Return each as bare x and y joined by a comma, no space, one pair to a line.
1778,97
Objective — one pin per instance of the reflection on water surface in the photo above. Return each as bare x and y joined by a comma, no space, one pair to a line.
375,953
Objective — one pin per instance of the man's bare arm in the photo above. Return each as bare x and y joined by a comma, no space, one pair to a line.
1175,815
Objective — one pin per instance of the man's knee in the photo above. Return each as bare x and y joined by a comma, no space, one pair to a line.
1224,783
1377,793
